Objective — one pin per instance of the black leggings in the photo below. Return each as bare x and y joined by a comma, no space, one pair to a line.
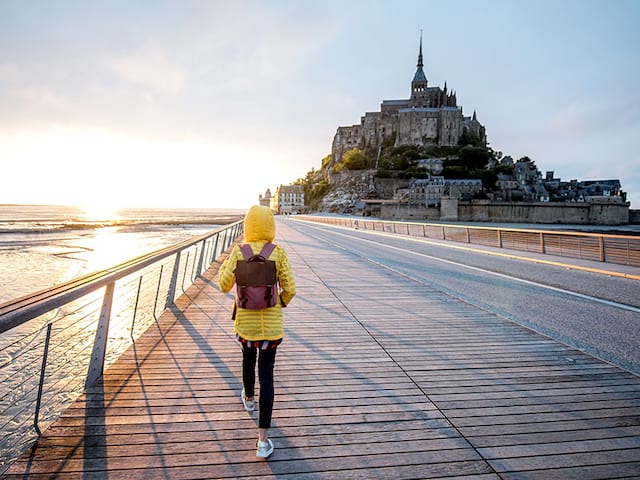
266,361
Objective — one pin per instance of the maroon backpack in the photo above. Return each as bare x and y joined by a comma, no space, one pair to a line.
256,279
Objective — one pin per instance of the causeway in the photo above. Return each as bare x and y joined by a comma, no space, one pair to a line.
378,377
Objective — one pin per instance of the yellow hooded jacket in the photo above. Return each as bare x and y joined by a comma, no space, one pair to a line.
265,324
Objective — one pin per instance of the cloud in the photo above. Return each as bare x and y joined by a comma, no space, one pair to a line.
585,117
39,96
11,73
149,68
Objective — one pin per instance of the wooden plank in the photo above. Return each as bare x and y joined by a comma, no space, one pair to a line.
627,470
572,424
559,448
521,439
567,460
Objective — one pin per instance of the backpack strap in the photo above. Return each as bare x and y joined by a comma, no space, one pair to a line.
267,250
246,251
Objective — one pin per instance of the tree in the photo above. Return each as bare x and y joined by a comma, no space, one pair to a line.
488,177
353,159
474,157
314,192
401,158
470,138
506,169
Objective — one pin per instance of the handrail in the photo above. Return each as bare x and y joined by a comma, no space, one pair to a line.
602,247
18,311
23,354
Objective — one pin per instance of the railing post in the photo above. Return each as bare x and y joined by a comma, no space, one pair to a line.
155,301
193,267
224,240
499,238
201,259
184,272
135,308
542,245
468,236
173,285
602,253
214,255
96,366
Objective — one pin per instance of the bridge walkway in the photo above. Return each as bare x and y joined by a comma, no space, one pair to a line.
378,377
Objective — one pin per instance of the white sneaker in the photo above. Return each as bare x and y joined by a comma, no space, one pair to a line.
249,405
264,449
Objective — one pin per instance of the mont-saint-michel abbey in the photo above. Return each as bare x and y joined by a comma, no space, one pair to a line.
423,158
431,116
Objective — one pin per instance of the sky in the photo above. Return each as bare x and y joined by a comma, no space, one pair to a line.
206,104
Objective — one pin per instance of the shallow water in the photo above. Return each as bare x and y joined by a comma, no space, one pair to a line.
30,262
41,246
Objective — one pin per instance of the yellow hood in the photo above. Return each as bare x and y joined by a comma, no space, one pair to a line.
259,225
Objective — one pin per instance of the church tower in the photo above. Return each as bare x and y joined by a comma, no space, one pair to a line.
419,83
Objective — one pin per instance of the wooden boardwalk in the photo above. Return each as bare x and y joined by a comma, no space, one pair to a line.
394,381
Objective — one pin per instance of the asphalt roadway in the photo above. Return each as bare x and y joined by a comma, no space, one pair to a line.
592,306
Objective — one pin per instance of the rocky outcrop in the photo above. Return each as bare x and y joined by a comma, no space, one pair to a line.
341,200
347,188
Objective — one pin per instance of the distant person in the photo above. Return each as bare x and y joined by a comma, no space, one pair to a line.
259,331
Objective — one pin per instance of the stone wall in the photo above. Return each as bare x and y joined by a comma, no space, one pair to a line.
404,211
453,210
525,212
449,209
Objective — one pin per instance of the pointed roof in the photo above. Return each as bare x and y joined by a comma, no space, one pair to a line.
420,76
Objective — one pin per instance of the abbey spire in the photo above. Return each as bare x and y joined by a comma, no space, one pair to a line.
419,83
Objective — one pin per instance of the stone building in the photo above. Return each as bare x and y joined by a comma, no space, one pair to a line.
265,200
431,116
429,192
288,199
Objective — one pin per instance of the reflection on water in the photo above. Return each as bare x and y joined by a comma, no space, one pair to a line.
104,248
30,262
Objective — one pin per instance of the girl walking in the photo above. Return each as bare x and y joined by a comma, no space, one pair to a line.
259,332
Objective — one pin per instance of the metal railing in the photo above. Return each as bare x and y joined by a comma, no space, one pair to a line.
55,343
618,249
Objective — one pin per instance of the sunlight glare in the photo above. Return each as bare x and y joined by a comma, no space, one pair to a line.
99,212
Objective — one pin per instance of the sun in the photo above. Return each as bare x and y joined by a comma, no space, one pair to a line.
97,212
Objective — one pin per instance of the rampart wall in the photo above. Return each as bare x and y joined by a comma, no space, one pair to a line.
517,212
